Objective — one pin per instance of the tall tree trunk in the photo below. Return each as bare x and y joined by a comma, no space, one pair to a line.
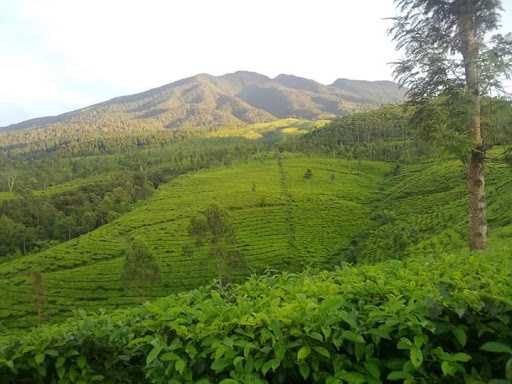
11,180
476,177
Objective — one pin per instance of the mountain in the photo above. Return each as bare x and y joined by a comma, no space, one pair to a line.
212,101
368,92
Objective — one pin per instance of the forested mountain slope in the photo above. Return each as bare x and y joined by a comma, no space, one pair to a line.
206,101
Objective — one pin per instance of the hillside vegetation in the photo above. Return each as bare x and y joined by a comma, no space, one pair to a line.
200,102
282,219
422,210
274,131
443,319
401,133
348,211
283,197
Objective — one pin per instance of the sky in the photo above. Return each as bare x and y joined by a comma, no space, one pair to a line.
59,55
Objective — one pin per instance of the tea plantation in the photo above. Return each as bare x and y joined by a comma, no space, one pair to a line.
443,319
418,309
283,221
423,211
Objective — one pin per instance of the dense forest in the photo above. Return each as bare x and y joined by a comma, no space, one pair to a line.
408,132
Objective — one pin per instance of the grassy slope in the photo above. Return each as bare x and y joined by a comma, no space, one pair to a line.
285,222
6,196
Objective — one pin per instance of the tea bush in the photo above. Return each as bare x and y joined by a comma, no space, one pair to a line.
444,319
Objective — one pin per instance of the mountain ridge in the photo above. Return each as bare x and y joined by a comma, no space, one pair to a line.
236,98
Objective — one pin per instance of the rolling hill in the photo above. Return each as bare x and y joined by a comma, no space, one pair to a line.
207,101
348,211
282,220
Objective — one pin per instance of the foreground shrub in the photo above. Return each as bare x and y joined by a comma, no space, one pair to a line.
425,320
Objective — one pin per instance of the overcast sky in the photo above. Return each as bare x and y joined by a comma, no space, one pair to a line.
58,55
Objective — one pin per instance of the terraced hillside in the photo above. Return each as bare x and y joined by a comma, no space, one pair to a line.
348,211
423,210
6,196
422,320
283,221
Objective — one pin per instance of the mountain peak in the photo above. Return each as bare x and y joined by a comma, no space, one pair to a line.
344,81
211,101
245,77
297,82
375,92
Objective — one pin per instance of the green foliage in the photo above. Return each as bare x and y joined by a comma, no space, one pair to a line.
287,223
140,270
434,37
496,120
442,122
38,288
423,210
431,127
308,174
437,319
58,198
508,156
13,236
214,227
382,134
35,221
277,131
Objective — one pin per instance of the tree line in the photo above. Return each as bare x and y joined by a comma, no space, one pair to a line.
35,218
410,131
31,223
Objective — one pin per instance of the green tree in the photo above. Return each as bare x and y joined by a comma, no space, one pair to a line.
215,228
11,236
508,156
447,51
140,271
441,121
308,174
